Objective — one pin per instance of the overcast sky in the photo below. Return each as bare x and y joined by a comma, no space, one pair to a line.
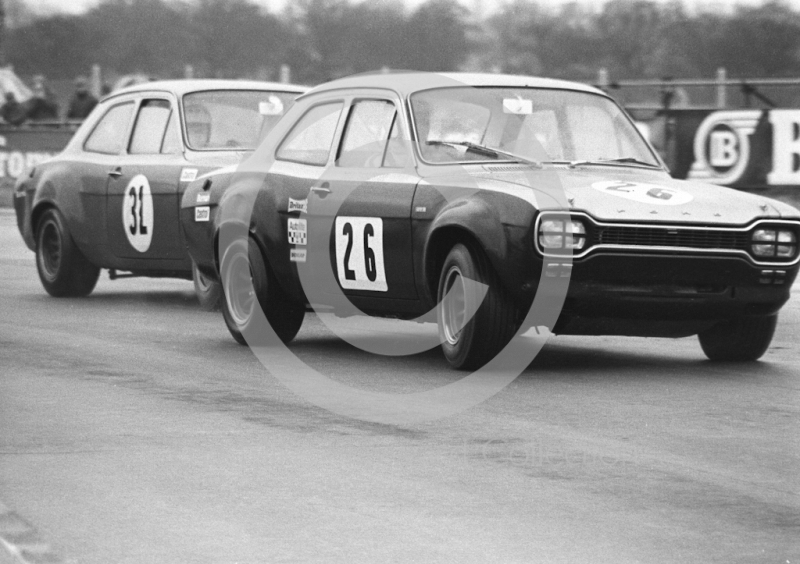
77,6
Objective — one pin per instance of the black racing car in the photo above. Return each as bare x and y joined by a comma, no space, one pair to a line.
387,194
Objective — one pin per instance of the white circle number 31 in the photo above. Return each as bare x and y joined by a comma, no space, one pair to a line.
137,213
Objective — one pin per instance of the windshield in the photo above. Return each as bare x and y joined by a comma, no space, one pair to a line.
536,124
232,119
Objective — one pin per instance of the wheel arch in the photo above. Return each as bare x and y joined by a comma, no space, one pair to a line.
38,211
477,221
441,240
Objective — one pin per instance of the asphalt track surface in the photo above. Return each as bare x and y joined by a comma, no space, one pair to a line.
134,430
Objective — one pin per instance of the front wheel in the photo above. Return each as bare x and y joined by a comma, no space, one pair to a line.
742,339
63,270
207,290
469,343
249,285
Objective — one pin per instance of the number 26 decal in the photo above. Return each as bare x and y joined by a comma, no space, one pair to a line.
359,253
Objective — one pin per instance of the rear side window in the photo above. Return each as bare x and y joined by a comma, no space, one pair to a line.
311,138
151,124
108,136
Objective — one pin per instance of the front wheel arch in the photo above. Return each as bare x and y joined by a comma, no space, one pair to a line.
439,245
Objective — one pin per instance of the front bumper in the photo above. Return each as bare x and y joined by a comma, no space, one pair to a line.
670,295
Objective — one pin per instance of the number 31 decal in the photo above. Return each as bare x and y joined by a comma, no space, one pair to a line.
359,253
137,213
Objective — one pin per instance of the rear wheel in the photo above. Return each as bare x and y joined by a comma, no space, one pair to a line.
742,339
63,269
207,290
249,284
471,344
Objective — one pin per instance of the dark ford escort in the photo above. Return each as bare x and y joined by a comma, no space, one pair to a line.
111,198
391,194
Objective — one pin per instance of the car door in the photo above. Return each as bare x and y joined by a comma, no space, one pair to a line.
100,155
143,196
372,184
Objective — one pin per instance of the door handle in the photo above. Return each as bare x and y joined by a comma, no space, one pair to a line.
115,172
322,190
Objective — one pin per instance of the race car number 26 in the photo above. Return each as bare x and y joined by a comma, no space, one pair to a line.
359,253
137,213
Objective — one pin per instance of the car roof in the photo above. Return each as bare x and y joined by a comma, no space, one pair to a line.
408,82
185,86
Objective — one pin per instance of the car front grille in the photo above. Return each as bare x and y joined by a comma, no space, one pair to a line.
637,236
595,236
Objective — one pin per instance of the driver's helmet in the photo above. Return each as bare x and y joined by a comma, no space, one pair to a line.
198,125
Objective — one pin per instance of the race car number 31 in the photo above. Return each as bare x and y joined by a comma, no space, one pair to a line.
359,253
137,213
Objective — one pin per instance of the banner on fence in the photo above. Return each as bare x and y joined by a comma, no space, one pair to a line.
21,149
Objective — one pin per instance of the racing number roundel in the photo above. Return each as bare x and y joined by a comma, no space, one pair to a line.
137,213
359,253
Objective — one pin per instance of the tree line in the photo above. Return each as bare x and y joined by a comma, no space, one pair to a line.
325,39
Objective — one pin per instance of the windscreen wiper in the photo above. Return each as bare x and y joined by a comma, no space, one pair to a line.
488,151
620,160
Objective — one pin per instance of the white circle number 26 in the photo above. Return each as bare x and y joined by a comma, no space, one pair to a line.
137,213
359,253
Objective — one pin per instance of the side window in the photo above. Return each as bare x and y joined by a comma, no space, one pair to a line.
311,138
172,138
151,123
366,134
108,136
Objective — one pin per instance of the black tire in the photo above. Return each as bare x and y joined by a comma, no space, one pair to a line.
494,323
743,339
63,269
248,283
207,290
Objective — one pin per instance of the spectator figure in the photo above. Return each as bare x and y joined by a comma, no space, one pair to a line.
12,111
82,102
42,106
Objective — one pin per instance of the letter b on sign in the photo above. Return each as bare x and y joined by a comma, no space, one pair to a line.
723,149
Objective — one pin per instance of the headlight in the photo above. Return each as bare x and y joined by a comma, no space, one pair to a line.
559,234
775,243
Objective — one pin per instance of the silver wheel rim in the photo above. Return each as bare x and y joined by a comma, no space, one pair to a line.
239,292
454,305
50,250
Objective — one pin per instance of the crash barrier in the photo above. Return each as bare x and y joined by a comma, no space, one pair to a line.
26,146
742,133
